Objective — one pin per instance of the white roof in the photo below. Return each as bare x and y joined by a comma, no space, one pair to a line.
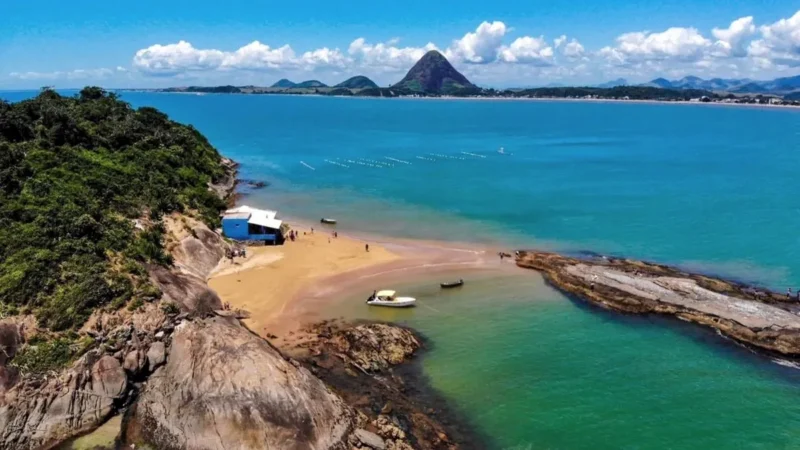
262,217
248,209
386,293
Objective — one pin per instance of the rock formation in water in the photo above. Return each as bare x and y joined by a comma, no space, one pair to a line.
755,317
395,409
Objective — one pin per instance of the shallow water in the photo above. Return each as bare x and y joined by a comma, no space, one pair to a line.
711,188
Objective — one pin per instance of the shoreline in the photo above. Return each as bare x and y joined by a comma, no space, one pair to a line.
499,99
284,288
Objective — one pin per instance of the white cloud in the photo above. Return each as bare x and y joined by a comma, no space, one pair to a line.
677,44
171,59
779,44
733,40
325,57
386,56
481,46
528,50
255,56
559,41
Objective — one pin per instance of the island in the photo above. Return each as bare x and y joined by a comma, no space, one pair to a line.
108,215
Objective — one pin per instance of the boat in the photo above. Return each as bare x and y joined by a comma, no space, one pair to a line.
390,299
452,284
328,221
501,151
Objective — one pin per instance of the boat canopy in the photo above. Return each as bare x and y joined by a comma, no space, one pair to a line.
386,293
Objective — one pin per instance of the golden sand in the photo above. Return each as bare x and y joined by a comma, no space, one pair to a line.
269,277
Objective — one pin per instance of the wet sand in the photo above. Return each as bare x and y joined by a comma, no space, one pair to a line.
285,287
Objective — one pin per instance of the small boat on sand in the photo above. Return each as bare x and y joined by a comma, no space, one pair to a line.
452,284
390,299
328,221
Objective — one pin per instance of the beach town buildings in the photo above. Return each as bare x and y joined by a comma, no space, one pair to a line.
245,223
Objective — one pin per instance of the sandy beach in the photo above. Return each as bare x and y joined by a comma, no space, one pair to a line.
283,287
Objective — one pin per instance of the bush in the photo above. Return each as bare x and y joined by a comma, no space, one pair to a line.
74,174
40,358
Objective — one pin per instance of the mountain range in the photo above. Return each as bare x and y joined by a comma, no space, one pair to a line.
778,86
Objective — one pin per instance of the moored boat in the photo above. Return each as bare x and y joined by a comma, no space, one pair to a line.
328,221
452,284
389,298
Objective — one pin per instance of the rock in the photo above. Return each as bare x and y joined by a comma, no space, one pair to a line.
159,335
764,321
156,355
375,347
134,361
369,439
223,387
82,397
387,408
387,428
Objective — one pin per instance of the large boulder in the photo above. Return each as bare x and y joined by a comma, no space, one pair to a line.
36,416
223,387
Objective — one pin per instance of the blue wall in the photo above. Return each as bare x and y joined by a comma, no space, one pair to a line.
235,228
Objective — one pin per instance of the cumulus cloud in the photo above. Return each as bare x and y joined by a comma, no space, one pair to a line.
678,44
733,40
255,56
779,43
528,50
171,59
481,46
386,56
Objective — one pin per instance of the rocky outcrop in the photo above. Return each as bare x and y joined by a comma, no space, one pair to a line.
40,414
224,387
755,317
44,410
395,408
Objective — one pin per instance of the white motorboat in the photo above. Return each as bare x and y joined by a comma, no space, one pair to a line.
390,299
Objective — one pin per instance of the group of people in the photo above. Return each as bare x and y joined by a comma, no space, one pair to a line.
796,295
236,252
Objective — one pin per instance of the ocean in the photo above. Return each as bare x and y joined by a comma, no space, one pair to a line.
708,188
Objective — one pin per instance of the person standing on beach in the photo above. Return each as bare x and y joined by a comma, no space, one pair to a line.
366,246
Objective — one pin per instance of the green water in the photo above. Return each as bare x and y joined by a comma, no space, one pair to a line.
533,369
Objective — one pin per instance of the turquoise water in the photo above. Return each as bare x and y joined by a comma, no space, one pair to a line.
710,188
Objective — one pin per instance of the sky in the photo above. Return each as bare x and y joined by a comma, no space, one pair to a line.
496,43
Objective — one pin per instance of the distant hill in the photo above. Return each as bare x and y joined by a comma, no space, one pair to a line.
777,86
284,83
433,74
311,84
660,83
614,83
357,82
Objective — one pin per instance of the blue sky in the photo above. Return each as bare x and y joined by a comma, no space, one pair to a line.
496,43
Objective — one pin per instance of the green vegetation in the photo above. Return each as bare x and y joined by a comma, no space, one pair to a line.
74,174
618,92
39,357
357,82
311,84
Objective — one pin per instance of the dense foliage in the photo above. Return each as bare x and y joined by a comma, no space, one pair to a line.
618,92
74,174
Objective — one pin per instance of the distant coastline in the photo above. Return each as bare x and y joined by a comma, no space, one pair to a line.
723,102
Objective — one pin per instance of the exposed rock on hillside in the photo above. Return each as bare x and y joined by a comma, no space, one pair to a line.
224,387
755,317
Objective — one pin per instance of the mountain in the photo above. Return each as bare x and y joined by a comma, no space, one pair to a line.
660,82
357,82
284,83
433,74
614,83
777,86
311,84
